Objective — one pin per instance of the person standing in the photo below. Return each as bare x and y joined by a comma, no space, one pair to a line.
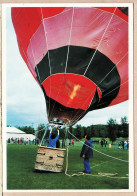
87,153
125,144
105,143
69,142
122,144
102,143
53,139
72,142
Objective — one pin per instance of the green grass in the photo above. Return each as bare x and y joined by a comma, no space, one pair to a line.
22,176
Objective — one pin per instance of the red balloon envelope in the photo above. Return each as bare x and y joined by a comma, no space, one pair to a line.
79,56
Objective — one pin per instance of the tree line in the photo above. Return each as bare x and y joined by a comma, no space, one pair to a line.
110,130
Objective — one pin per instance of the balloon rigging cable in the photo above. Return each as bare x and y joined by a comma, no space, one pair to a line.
75,119
97,150
66,64
113,68
100,41
110,175
69,40
48,56
98,104
106,74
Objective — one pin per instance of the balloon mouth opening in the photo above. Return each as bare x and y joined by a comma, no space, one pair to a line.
70,90
68,97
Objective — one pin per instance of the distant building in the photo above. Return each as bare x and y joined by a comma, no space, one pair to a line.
12,132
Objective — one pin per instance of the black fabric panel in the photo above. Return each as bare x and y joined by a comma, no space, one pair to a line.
56,65
42,69
79,58
58,60
95,99
97,71
103,72
124,10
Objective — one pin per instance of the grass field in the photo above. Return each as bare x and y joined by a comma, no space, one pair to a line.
22,176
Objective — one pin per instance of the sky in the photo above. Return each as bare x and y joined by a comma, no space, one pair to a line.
25,102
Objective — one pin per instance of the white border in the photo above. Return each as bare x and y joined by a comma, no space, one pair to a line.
131,151
4,96
131,84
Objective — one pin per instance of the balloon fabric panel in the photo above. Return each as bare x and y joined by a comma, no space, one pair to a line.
79,56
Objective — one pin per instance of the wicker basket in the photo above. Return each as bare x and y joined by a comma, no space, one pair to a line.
49,159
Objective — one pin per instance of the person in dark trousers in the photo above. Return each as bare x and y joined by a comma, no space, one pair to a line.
53,139
87,153
58,144
102,143
122,144
105,143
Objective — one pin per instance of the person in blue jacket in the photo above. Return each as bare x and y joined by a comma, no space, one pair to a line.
53,139
87,153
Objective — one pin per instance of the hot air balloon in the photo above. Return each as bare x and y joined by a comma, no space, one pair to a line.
78,56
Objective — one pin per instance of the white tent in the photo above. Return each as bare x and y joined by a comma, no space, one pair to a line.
12,132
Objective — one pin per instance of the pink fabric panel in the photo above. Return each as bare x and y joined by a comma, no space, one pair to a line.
122,68
122,95
88,27
37,47
58,29
31,58
87,30
115,42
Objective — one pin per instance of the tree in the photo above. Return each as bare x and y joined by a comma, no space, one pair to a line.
103,132
40,131
92,131
124,126
85,131
112,129
27,129
62,133
70,130
97,130
88,131
79,133
124,120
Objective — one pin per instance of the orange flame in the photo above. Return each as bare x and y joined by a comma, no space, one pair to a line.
74,92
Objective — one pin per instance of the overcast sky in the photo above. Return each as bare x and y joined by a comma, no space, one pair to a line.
25,100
